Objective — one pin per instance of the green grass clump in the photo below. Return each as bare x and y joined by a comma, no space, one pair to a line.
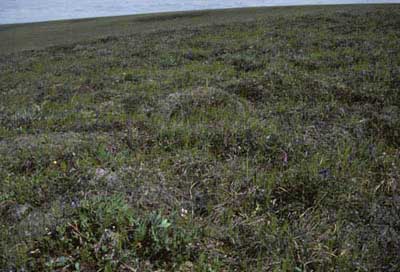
262,139
105,233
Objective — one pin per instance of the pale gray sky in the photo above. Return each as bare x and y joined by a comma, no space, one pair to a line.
19,11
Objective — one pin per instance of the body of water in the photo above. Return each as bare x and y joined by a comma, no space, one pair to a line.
21,11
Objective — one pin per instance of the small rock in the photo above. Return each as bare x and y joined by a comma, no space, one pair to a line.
112,180
18,212
187,266
100,173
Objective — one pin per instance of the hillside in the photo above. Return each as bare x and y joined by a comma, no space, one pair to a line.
247,139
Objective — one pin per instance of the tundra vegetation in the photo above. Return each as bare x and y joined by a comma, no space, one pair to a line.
254,139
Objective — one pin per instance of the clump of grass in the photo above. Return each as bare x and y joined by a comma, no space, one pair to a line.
184,104
105,233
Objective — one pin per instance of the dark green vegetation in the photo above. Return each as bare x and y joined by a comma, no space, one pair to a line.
234,143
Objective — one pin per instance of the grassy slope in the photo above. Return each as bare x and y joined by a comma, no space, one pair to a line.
38,35
212,141
19,37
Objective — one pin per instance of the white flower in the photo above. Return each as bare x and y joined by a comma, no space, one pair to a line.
184,212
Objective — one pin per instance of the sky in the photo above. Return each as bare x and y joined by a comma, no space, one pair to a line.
21,11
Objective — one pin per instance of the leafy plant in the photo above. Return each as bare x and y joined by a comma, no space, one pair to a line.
104,232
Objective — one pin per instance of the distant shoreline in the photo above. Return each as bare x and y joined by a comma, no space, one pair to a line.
40,35
100,14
